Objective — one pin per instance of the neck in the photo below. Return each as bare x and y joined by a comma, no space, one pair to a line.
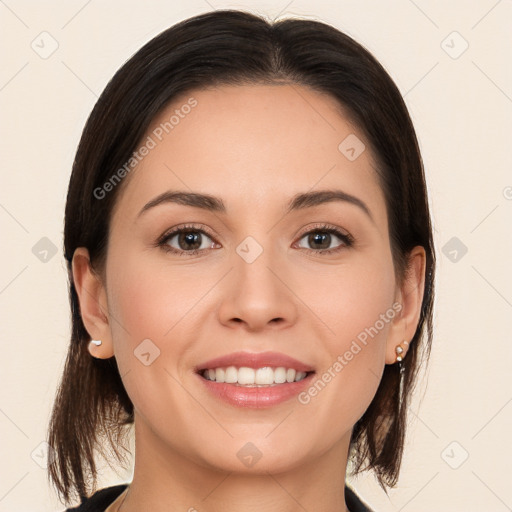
166,480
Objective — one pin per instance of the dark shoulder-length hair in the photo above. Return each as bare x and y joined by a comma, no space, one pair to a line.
233,47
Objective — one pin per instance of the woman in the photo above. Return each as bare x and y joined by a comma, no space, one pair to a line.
251,273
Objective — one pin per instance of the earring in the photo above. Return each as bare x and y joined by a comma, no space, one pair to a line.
400,351
96,342
400,354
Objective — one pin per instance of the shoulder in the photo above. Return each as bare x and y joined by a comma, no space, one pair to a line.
354,504
100,500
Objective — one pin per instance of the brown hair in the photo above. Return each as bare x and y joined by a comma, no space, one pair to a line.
236,48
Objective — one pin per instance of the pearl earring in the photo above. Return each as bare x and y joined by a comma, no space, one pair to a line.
400,351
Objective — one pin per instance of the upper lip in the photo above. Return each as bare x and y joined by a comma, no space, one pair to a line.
255,360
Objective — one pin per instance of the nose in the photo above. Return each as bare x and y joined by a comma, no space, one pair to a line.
258,295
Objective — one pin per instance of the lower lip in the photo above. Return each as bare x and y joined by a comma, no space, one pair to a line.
256,397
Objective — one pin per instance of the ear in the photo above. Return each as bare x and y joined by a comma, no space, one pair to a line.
410,298
92,297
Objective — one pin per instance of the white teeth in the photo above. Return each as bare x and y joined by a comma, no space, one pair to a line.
245,376
264,375
280,375
300,376
231,375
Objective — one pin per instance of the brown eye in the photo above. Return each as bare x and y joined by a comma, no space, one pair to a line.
186,241
320,240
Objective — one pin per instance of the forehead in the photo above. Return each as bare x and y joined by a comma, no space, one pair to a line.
259,142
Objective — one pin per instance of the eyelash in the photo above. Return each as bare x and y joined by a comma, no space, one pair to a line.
347,239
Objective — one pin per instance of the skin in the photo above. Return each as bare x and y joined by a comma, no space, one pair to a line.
254,147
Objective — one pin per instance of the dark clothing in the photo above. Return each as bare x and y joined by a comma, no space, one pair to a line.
101,499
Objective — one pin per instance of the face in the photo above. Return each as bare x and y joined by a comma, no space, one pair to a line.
257,276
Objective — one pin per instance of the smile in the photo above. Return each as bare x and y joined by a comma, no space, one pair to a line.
253,377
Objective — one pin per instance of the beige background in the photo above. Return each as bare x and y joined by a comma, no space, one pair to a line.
462,109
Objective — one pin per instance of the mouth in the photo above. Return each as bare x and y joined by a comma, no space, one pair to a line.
254,380
254,377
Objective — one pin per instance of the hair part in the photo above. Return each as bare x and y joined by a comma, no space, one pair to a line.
229,47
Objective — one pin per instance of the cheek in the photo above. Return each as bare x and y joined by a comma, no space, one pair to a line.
150,300
356,301
149,313
358,310
144,310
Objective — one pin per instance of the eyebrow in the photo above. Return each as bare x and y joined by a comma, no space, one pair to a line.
215,204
